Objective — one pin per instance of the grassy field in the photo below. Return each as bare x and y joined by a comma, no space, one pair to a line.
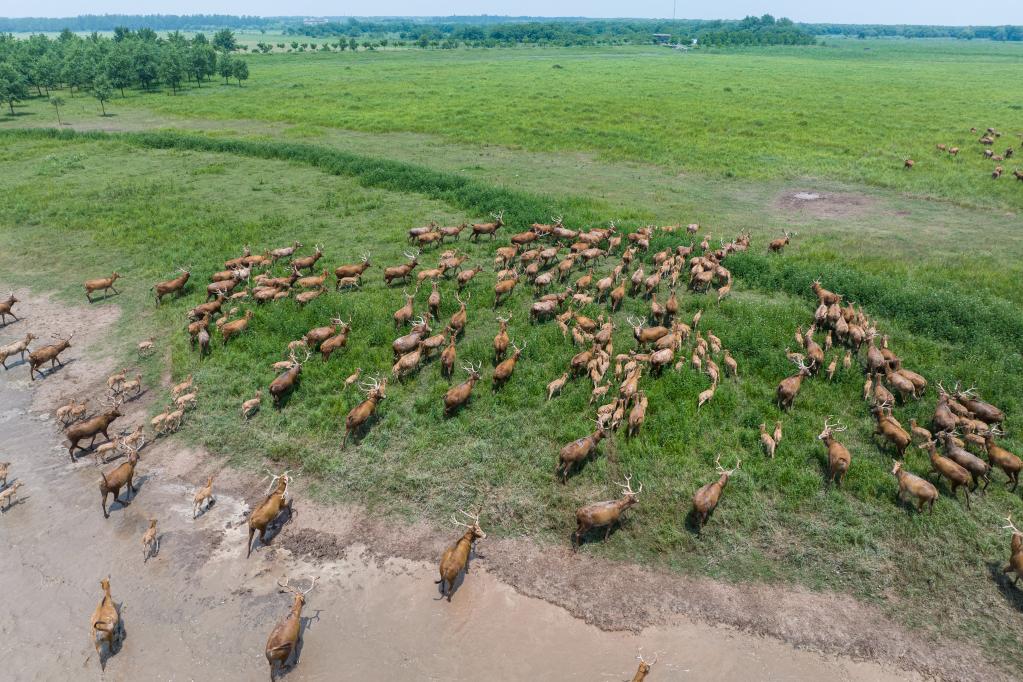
850,110
491,130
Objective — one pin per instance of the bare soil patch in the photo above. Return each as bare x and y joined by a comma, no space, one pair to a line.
813,203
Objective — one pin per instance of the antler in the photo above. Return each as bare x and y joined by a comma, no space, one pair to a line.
722,470
627,487
1011,527
645,662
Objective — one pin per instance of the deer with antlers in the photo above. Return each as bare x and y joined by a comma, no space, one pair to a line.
789,387
268,510
458,396
308,262
456,557
90,428
491,229
1015,564
501,340
121,476
838,455
283,644
644,668
174,286
504,369
286,380
1002,458
605,514
776,245
403,271
375,392
706,499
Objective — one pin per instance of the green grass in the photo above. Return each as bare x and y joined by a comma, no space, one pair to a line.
142,204
850,110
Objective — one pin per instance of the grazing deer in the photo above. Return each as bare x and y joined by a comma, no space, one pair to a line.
456,557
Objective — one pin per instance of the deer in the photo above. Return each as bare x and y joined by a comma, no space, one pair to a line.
503,288
103,284
404,314
402,271
447,359
263,515
284,251
776,245
112,481
251,406
637,415
408,363
645,335
174,286
1015,564
457,324
491,229
555,386
375,392
283,645
286,380
308,262
705,500
978,468
504,369
16,348
8,494
355,270
605,514
1002,458
456,557
465,276
235,327
105,623
501,340
955,475
352,378
457,396
767,441
839,458
986,412
6,307
91,428
150,542
923,490
890,428
49,353
336,342
578,451
644,668
203,496
789,387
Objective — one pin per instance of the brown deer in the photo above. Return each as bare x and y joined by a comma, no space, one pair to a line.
644,668
308,262
360,414
90,428
121,476
235,327
978,468
403,315
16,348
1002,458
504,369
776,245
203,498
284,251
457,396
767,441
268,510
105,624
923,490
286,380
605,514
6,307
789,387
890,428
150,542
336,342
102,284
50,353
955,475
283,643
456,557
986,412
838,455
705,500
487,228
355,270
501,340
251,406
447,359
555,386
578,451
1015,564
402,271
458,320
465,276
174,286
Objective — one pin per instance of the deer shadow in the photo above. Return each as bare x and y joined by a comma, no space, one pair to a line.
15,363
100,299
604,532
304,624
692,521
118,503
1012,593
205,508
44,373
5,324
274,528
135,396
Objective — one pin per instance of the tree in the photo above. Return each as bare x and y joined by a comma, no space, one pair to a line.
224,40
119,69
12,86
353,44
203,61
102,90
172,68
240,71
57,103
225,66
144,60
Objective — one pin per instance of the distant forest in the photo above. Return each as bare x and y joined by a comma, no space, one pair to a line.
487,30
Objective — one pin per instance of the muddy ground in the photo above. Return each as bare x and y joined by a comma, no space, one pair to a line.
201,610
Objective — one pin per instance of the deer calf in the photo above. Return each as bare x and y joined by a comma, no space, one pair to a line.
203,499
150,542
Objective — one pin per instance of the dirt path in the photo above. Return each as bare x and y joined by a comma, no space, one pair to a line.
201,610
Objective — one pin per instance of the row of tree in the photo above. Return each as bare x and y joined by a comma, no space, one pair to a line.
130,59
1000,33
765,30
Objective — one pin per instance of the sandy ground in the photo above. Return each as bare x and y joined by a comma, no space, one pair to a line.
201,610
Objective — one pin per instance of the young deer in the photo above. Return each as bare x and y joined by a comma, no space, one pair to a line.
150,542
204,496
456,557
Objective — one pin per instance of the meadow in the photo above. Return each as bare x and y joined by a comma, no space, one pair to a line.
372,144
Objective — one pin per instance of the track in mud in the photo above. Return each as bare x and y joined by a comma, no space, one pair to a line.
201,610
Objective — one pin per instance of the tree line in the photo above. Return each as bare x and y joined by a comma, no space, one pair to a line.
765,30
87,23
999,33
102,66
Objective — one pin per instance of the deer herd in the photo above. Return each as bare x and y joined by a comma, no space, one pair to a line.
559,268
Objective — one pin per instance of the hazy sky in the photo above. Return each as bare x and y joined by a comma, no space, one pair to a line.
982,12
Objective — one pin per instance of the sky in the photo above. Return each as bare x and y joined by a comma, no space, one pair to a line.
949,12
